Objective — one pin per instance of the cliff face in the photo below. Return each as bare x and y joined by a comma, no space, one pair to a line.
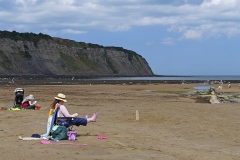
57,56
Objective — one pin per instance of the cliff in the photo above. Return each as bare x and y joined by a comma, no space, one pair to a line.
39,54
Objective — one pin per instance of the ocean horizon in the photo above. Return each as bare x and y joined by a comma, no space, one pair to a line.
74,80
126,78
178,77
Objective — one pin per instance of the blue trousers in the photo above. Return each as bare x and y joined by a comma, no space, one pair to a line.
30,107
79,121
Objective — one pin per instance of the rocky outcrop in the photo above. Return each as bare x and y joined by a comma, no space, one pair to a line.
56,56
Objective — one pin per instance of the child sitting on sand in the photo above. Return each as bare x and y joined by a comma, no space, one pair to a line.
28,102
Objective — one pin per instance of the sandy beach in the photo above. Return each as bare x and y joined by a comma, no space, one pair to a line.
171,125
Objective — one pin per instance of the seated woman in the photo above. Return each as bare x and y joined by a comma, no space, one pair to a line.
63,112
28,102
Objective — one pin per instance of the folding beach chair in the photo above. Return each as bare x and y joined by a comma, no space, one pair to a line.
52,115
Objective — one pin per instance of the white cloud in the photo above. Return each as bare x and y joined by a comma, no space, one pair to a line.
225,3
168,41
194,21
149,43
158,21
116,28
71,31
25,3
66,2
191,34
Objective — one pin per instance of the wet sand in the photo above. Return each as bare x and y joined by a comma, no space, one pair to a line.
171,126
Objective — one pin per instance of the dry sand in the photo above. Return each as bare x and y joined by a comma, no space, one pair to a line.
171,126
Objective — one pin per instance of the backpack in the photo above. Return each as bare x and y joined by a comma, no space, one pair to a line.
59,132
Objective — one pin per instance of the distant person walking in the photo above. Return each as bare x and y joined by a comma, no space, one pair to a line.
229,85
221,85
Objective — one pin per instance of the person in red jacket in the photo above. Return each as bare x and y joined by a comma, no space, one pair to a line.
28,102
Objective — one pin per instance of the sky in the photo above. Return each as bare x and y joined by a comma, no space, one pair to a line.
176,37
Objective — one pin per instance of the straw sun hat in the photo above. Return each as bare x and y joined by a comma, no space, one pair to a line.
61,97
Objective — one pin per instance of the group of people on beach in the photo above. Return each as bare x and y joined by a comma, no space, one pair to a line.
59,100
221,85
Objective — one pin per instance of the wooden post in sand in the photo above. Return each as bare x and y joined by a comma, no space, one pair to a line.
137,115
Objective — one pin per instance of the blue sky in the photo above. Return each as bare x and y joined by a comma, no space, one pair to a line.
176,37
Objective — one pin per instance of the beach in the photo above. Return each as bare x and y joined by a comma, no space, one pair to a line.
172,125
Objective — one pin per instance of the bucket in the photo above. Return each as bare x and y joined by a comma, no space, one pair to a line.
37,108
72,135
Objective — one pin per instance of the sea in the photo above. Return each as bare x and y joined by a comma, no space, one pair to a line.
75,80
176,77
